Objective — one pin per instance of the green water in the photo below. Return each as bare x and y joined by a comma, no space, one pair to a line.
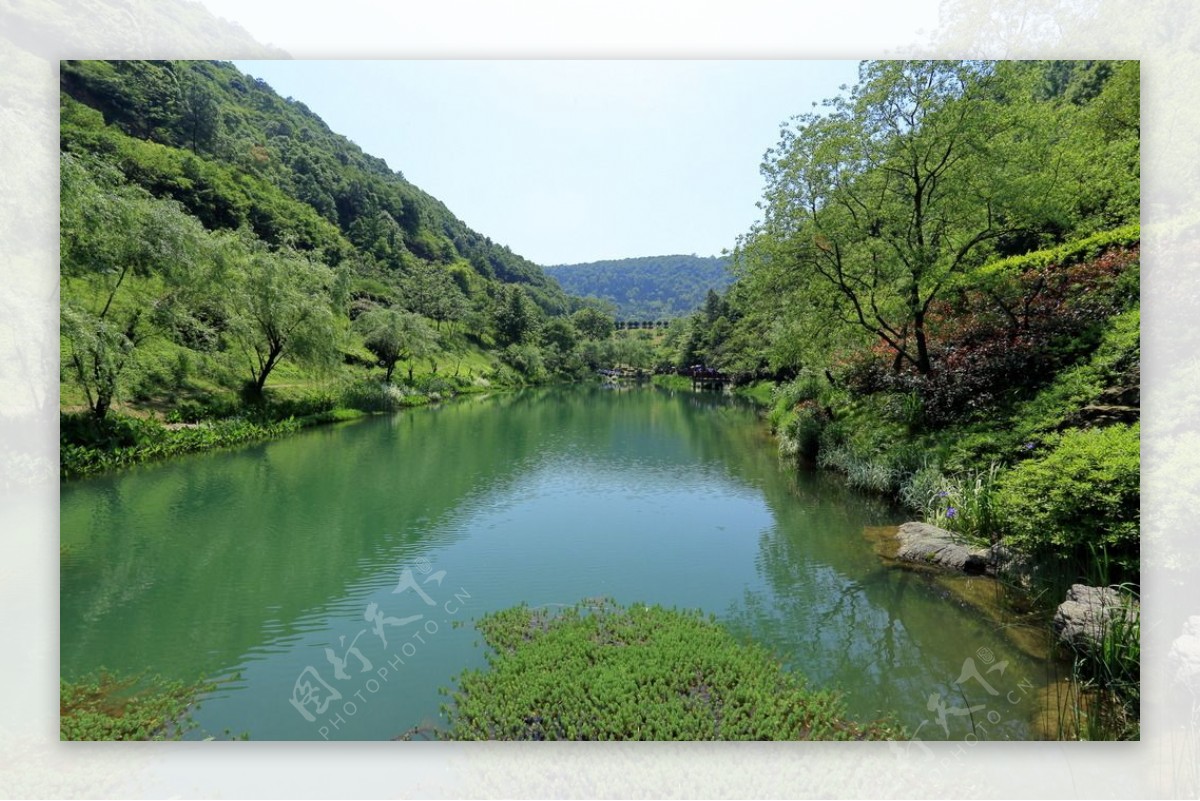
247,566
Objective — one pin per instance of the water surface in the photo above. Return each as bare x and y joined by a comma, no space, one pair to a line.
368,548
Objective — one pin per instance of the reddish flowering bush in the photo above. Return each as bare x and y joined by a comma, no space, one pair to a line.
1004,339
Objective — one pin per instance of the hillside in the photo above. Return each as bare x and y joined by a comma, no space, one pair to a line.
647,288
226,256
233,153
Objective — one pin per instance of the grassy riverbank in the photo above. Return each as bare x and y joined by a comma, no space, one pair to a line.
203,405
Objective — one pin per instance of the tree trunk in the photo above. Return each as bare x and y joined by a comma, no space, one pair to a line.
260,380
924,366
918,313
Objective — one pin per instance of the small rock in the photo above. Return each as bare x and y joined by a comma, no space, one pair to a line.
1098,414
1122,396
924,544
1088,613
1004,560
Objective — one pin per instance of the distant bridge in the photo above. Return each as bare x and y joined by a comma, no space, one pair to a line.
642,325
705,377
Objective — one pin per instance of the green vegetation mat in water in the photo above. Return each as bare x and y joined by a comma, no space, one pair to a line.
599,671
107,707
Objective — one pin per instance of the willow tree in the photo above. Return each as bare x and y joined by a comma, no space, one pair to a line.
132,267
883,202
393,336
280,306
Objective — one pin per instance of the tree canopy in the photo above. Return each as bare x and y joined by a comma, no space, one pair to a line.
888,199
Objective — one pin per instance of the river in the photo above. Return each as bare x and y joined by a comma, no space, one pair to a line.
329,580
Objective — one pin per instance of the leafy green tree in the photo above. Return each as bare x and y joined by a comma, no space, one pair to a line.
279,307
593,324
560,335
893,194
434,293
634,352
395,336
515,318
98,354
200,116
131,266
714,307
526,359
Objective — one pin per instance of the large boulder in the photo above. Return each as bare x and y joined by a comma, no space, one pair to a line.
924,544
1088,614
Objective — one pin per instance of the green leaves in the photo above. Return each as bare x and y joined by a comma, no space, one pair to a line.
393,335
279,307
515,318
887,202
1084,494
598,671
105,707
129,263
106,448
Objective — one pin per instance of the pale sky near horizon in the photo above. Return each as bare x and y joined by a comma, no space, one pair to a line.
572,161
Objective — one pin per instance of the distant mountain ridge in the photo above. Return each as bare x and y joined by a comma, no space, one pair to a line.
647,287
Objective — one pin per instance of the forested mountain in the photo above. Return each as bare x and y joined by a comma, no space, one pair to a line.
647,288
234,153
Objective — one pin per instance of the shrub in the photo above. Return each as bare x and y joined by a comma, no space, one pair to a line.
156,442
805,387
1012,334
1071,252
436,385
871,473
966,503
603,672
305,405
368,395
114,431
1115,363
801,431
188,411
920,489
526,360
1082,496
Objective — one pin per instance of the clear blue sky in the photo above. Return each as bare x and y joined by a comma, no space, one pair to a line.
572,161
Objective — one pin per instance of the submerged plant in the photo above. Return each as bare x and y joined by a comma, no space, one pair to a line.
107,707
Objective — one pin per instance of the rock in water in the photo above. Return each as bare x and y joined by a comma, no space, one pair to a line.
924,544
1088,613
